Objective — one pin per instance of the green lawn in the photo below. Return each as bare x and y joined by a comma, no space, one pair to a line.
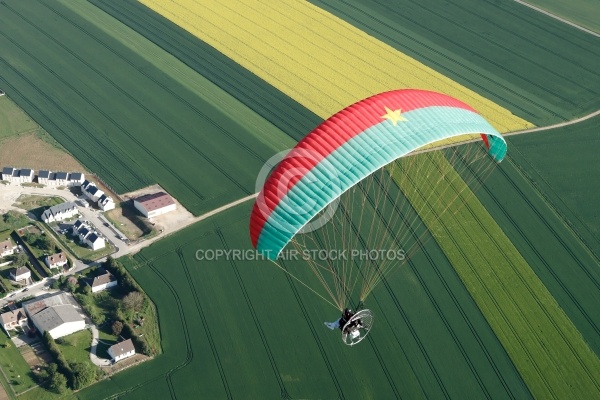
585,13
76,346
13,365
13,121
30,202
544,344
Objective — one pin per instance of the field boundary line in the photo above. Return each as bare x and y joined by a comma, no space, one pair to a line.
557,17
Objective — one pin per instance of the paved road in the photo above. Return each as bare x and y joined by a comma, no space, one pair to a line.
101,362
561,19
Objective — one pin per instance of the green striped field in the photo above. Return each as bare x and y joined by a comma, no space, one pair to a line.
545,346
541,69
585,13
133,120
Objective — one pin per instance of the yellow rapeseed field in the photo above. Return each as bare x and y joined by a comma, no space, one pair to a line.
319,60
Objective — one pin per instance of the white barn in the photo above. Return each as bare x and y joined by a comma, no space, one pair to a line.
151,205
55,314
121,350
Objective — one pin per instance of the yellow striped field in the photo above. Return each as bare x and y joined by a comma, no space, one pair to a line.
314,57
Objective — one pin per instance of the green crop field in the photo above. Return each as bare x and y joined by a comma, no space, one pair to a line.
243,321
13,121
539,68
561,164
131,120
501,302
585,13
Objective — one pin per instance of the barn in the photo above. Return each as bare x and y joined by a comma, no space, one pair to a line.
151,205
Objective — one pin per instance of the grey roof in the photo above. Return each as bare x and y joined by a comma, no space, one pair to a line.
103,279
8,170
43,173
78,223
62,207
92,238
26,172
92,189
85,183
20,271
52,176
121,348
53,317
62,175
75,176
36,305
102,198
83,231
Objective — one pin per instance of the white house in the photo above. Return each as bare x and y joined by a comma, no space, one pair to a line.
76,178
55,314
13,319
60,212
106,203
88,236
7,173
104,281
91,191
56,260
42,176
7,248
52,179
151,205
94,241
20,274
25,175
121,350
62,179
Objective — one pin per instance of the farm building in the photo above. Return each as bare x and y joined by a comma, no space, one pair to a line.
121,350
55,314
56,260
20,274
151,205
7,248
13,319
43,176
106,203
104,281
60,212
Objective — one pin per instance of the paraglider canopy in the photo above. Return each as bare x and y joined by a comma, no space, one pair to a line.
350,146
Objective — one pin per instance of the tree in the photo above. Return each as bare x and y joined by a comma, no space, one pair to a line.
30,237
58,382
133,301
20,259
84,374
117,327
44,242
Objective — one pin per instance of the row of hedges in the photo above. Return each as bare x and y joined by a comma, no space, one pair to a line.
78,375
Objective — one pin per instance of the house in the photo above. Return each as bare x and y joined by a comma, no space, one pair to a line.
75,179
106,203
94,241
7,174
88,236
151,205
56,260
52,179
42,177
55,314
104,281
62,178
20,274
60,212
121,350
13,319
7,248
25,175
93,193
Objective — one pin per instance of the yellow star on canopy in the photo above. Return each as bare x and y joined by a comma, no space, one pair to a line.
393,115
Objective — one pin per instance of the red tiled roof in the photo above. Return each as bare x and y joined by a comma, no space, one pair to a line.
155,201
